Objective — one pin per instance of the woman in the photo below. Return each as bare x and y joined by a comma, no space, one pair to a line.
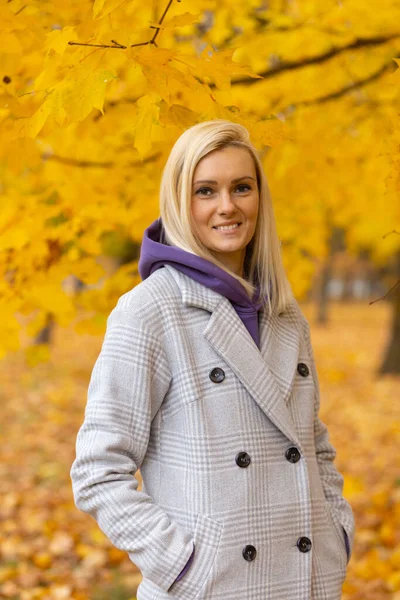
206,382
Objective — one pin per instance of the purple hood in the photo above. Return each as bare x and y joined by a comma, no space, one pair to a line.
155,253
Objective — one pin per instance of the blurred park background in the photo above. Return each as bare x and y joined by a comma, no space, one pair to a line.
93,95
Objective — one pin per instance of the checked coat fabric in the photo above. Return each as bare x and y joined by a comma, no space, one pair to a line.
233,456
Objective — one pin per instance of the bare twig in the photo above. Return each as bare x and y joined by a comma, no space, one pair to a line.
398,281
390,232
387,294
120,46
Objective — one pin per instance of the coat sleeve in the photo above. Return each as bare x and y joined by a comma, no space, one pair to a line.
332,480
128,383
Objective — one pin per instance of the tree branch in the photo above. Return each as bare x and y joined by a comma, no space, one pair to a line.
348,88
288,109
288,65
92,164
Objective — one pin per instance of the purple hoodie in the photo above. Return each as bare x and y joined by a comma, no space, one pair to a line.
155,253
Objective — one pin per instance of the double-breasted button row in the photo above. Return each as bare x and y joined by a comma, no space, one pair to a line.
243,459
303,543
217,374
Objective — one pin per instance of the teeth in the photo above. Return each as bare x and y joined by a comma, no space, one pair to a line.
226,227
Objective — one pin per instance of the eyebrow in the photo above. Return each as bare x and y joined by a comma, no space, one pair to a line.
233,180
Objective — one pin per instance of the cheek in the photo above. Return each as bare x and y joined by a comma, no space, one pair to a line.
254,212
200,215
199,222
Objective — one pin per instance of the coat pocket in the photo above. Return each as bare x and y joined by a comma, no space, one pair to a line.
337,527
207,535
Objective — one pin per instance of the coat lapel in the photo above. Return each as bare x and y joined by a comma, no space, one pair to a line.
267,373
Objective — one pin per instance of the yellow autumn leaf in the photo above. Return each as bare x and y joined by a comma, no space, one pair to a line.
42,560
72,99
49,295
10,43
352,486
83,90
178,115
102,8
147,119
181,20
58,39
394,581
83,550
93,326
31,127
8,573
9,328
116,556
380,498
387,534
395,559
88,270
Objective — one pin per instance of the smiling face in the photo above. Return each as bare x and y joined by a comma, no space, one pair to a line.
225,191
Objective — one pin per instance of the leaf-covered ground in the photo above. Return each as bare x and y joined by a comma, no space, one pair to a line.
50,550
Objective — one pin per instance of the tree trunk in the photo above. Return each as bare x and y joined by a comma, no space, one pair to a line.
45,334
322,295
336,244
391,360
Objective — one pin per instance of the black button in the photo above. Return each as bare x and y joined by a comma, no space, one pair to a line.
249,553
243,459
292,454
304,544
303,369
217,375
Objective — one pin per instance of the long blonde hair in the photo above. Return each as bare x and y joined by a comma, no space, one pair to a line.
263,254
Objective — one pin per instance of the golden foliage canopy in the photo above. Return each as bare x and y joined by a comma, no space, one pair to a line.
94,94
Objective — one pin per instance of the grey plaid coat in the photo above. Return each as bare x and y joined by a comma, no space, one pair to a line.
181,391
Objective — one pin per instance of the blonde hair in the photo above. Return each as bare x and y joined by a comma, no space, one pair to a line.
263,260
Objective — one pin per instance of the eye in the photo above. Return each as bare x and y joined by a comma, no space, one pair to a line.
245,185
203,191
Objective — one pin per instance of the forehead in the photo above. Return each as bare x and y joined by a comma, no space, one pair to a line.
229,161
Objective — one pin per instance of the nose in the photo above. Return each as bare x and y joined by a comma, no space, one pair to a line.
225,203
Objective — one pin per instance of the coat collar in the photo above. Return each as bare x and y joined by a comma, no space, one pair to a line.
267,373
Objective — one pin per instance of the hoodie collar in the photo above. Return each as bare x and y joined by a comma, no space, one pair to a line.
156,252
